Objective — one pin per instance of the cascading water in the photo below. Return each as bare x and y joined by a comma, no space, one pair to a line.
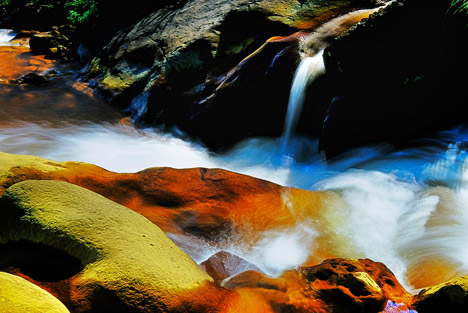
312,66
404,208
5,36
309,69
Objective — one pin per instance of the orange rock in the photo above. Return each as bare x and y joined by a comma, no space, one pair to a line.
336,285
198,201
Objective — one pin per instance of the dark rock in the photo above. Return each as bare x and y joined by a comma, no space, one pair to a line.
26,34
179,57
396,77
451,296
53,44
224,264
31,79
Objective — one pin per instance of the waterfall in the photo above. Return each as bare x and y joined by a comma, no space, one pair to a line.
308,70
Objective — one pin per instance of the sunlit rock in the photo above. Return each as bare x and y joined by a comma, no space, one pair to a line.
17,295
127,262
451,296
336,285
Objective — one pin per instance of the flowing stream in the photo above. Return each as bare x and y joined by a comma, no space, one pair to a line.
407,208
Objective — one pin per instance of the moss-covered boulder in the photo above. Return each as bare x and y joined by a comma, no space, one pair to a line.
17,295
204,203
127,262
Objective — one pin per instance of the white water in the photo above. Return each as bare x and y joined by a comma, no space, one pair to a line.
309,69
391,213
5,36
388,195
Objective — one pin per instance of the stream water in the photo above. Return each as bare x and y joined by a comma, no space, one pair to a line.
407,208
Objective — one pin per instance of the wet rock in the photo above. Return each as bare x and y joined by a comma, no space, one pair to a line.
128,264
31,79
336,285
53,44
206,203
17,295
224,264
26,34
451,296
181,57
396,77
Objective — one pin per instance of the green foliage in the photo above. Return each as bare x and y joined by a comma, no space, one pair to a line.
4,2
459,6
82,11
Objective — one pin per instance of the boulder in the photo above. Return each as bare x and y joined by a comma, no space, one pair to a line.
336,285
223,264
31,79
53,44
205,203
451,296
17,295
180,56
396,77
127,263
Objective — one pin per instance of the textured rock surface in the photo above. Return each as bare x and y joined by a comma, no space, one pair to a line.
203,202
17,295
398,77
336,285
128,263
451,296
170,63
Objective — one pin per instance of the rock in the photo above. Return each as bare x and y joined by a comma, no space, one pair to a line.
224,264
336,285
52,44
181,56
348,285
451,296
31,79
17,295
206,203
127,262
26,34
387,78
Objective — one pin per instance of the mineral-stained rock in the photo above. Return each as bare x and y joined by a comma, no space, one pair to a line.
224,264
206,203
127,262
336,285
451,296
17,295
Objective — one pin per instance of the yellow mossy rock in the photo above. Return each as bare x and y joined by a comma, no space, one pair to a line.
450,296
17,295
127,260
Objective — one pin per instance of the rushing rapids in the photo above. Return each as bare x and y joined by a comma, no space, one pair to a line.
406,208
